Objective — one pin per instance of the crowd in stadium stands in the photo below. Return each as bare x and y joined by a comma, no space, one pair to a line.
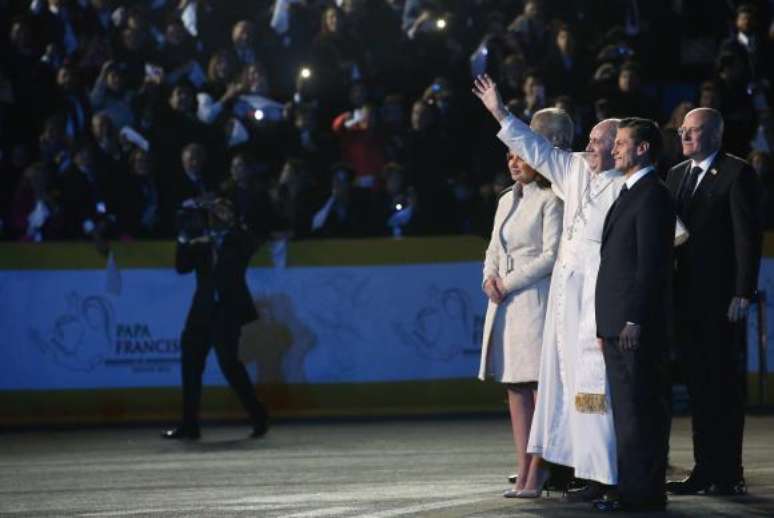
345,118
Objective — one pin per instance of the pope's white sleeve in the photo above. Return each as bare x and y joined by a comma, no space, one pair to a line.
551,162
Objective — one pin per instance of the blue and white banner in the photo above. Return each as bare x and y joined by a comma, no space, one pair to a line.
73,329
766,285
64,329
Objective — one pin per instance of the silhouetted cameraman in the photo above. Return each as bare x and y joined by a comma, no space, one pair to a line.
218,249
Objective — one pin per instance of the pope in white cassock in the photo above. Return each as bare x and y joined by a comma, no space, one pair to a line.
573,423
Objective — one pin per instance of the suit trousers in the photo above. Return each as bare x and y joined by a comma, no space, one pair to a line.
223,333
641,418
714,374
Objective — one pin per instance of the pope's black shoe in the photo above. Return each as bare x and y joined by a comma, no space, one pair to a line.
181,433
691,485
737,488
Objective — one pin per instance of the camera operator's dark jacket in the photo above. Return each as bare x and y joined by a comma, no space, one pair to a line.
219,285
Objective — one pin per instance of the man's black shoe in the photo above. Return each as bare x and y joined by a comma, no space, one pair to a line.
605,505
260,429
691,485
181,433
737,488
616,505
593,491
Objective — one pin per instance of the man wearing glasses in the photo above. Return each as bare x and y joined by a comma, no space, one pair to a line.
718,199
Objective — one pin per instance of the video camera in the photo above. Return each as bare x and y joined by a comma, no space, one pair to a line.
194,218
191,223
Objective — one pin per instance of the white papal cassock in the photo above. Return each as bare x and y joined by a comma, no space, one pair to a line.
573,423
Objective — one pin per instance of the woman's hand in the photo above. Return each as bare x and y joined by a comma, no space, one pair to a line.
494,289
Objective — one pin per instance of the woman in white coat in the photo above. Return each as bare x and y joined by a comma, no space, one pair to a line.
519,260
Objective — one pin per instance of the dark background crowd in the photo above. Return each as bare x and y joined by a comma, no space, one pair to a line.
346,118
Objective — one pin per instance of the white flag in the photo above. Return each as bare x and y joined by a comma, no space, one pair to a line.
113,284
238,135
319,219
135,138
279,253
189,19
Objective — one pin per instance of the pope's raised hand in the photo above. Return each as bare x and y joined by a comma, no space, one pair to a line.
486,90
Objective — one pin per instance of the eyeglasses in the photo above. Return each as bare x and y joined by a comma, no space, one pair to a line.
689,131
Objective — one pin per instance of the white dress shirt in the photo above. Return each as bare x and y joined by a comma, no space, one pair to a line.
635,177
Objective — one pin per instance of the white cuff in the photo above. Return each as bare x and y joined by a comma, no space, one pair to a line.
507,121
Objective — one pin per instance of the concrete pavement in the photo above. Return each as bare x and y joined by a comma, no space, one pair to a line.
419,467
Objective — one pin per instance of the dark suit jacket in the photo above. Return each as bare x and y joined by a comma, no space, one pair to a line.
721,258
221,284
634,280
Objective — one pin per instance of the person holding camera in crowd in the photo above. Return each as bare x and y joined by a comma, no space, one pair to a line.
218,250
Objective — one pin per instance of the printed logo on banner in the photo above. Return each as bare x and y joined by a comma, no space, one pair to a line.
87,336
344,301
444,328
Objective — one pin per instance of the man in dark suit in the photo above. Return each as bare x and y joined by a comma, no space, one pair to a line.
718,198
632,304
221,306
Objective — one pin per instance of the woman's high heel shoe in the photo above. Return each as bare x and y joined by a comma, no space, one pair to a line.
535,493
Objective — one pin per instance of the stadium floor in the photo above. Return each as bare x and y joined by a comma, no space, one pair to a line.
416,467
